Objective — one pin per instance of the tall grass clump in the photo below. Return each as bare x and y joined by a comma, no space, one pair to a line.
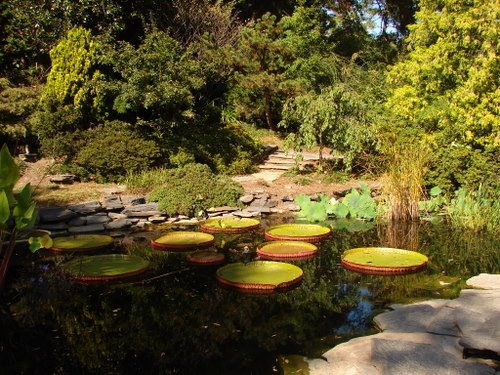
146,181
403,180
475,210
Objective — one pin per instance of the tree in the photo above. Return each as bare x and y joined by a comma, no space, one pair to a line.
447,86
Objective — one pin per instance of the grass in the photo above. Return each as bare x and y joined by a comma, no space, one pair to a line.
60,195
403,180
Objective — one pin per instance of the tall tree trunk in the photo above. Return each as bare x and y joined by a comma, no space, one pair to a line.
267,111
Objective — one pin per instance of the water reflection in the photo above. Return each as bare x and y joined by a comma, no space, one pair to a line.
183,323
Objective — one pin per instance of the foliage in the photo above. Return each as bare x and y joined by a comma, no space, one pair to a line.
407,162
434,203
476,210
447,87
16,106
17,212
113,150
356,204
193,188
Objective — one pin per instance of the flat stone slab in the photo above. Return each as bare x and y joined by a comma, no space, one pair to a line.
53,227
409,318
142,210
86,208
222,209
55,214
247,198
132,201
94,228
118,224
485,281
77,221
66,179
245,214
259,209
397,353
97,219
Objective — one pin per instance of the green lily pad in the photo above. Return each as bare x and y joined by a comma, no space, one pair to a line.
383,261
205,257
182,240
298,232
229,225
81,243
260,276
287,250
105,267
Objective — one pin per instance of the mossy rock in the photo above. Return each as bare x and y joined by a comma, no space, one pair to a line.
260,276
298,232
229,225
287,250
81,243
182,241
383,261
105,267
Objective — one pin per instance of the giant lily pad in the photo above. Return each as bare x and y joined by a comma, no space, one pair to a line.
383,261
205,257
105,267
81,243
229,225
260,276
182,241
287,250
298,232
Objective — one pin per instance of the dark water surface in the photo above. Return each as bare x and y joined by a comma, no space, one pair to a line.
184,323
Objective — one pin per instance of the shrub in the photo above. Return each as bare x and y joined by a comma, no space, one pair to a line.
192,188
113,151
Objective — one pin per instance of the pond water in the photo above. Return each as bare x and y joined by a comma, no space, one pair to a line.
181,322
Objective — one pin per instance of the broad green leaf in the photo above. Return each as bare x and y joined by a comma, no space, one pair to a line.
27,218
9,171
435,191
340,210
24,197
40,242
4,208
302,200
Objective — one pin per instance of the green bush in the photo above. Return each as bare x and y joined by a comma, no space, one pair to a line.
192,188
113,151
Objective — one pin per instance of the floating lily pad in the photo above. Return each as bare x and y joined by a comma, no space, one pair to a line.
383,261
287,250
182,241
298,232
105,267
205,257
260,276
81,243
229,225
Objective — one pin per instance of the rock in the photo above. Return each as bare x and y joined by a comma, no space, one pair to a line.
133,201
247,198
97,219
87,229
443,323
53,227
58,233
55,214
289,206
66,179
157,219
86,208
409,318
118,224
142,210
261,209
77,221
182,217
245,213
485,281
113,206
114,216
222,209
287,198
113,190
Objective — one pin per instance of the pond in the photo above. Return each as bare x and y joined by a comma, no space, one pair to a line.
180,321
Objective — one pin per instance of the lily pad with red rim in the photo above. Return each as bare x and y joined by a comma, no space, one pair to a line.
287,250
298,232
105,267
81,243
383,261
260,276
205,257
229,225
182,241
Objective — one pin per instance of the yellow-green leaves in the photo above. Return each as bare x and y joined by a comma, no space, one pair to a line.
4,209
9,171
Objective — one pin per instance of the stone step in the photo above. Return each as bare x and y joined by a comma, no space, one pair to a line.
306,156
280,167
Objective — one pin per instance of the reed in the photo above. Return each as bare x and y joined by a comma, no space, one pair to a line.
404,178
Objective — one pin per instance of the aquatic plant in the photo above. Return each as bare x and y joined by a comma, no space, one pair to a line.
356,204
17,213
475,210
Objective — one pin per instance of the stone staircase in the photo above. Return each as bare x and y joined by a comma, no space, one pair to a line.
280,160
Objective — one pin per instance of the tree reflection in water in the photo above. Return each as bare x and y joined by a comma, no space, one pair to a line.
184,323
